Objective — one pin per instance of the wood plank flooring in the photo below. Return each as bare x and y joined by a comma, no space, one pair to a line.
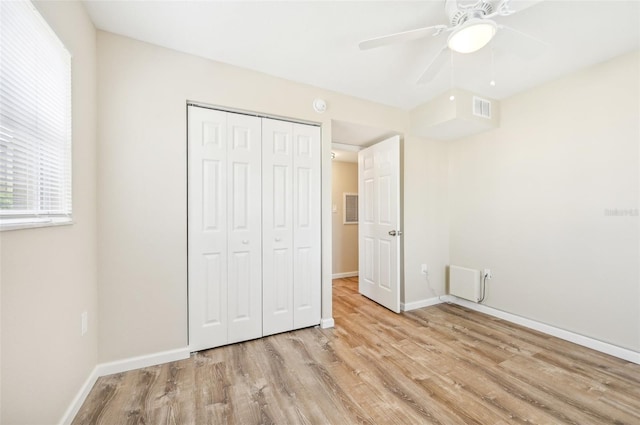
437,365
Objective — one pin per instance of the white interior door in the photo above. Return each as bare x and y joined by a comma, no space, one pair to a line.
244,200
277,226
207,145
291,226
306,226
225,297
379,222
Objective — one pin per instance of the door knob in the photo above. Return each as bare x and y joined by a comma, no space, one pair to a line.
278,239
245,241
395,233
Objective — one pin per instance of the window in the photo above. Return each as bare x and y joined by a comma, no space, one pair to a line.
350,208
35,120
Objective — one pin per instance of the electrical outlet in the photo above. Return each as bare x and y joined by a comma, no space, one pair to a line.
424,269
487,273
84,321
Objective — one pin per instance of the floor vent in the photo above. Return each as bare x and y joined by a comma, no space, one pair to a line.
481,107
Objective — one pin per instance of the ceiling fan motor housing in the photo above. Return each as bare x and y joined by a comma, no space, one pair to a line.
458,15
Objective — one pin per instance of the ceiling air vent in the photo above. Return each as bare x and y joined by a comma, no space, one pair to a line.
481,107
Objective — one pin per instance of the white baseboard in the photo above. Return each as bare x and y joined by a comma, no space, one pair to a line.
118,366
327,323
80,397
344,274
142,361
594,344
420,304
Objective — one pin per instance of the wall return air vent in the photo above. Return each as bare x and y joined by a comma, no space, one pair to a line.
350,208
481,107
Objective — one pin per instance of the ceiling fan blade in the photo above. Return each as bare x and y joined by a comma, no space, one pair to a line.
509,7
401,37
501,10
524,34
518,44
434,67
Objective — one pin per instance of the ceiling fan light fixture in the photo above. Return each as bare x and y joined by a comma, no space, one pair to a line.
472,36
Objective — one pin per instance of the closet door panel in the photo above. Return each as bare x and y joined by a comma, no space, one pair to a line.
306,225
207,228
244,283
277,229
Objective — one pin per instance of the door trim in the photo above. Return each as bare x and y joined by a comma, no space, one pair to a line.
252,113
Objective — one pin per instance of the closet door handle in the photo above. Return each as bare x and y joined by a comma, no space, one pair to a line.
278,239
245,241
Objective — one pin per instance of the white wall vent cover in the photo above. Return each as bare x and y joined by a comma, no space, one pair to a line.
481,107
350,208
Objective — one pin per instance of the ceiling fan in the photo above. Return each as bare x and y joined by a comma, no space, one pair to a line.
471,27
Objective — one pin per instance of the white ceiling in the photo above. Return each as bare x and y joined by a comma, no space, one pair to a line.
316,42
348,138
358,135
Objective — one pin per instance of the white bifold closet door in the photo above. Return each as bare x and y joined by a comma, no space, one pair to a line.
225,239
253,227
290,226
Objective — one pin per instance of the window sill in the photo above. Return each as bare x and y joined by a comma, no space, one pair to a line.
7,224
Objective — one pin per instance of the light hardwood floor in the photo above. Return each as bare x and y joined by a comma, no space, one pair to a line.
437,365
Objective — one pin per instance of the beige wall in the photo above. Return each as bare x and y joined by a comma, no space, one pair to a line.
426,222
528,201
142,179
344,179
48,275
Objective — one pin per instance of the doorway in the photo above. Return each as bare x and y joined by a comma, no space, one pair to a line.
348,139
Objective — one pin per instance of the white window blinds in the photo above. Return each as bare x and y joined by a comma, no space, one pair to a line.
35,118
